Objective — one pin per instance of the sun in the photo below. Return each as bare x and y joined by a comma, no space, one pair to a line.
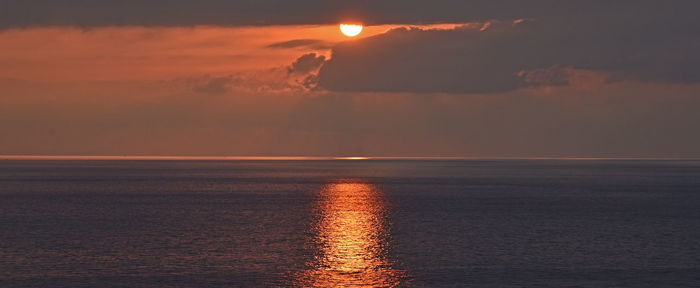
351,30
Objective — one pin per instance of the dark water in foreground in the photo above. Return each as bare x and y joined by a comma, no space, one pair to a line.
467,223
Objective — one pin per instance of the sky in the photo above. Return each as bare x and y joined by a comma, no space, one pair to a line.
463,78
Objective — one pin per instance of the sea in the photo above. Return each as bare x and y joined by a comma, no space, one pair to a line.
349,223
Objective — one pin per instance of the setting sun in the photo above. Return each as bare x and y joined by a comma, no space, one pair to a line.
350,30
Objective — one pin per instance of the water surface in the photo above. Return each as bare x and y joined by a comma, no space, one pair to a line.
376,223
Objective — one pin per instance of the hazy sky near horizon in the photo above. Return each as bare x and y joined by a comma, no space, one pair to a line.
425,78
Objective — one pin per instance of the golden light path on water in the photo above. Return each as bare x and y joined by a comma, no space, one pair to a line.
351,236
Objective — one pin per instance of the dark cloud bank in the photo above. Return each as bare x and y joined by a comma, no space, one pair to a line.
638,42
22,13
643,40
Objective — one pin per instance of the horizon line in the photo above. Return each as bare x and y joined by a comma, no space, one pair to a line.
302,158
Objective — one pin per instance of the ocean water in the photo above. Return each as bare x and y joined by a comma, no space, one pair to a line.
343,223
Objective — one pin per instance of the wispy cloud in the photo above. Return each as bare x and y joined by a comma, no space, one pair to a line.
314,44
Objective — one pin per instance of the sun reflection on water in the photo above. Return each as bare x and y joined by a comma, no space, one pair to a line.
351,236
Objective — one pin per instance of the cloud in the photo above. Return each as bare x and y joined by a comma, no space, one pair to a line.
304,70
307,63
314,44
299,76
215,85
25,13
501,56
563,76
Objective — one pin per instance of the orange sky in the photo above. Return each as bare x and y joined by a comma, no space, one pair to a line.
224,91
156,53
